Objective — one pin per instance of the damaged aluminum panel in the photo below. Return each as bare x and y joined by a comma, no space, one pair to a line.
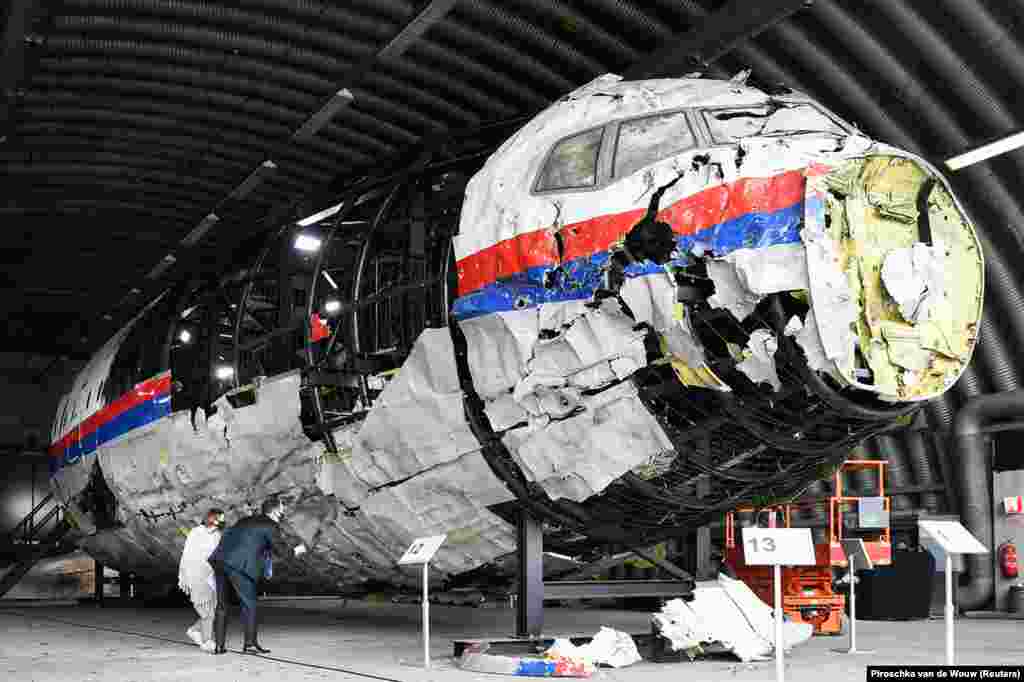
745,276
499,346
426,400
729,613
581,455
593,350
453,499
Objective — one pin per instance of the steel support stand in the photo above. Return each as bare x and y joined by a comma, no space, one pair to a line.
949,609
780,673
705,571
853,612
426,619
530,594
97,588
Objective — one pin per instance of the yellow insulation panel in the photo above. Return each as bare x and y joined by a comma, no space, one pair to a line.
872,206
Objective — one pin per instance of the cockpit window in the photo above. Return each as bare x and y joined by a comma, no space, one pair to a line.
728,125
572,163
643,141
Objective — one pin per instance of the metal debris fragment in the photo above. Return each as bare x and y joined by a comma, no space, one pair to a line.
759,366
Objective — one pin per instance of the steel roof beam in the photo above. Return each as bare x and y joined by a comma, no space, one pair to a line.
716,35
12,55
429,14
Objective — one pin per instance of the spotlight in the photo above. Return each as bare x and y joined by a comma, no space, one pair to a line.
321,215
185,336
225,372
1001,146
305,242
333,305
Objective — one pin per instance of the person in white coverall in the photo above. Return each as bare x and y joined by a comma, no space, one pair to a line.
195,576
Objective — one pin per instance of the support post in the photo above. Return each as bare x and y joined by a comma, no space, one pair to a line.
780,674
853,604
530,601
851,558
705,570
949,608
426,619
97,588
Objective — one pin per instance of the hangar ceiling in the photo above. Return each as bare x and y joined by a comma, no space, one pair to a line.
124,123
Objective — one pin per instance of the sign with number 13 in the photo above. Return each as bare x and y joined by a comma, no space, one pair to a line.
778,547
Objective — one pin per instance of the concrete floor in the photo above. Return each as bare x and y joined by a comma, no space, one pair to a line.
86,643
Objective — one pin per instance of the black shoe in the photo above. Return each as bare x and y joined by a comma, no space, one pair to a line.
254,649
220,631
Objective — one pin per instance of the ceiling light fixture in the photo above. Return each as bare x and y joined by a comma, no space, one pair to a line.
225,372
330,279
332,306
255,178
305,242
986,151
317,217
338,101
200,230
563,557
185,336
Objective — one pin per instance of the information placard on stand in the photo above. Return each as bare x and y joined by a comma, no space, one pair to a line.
778,547
856,559
953,538
421,551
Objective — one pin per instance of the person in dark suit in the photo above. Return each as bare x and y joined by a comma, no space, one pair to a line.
239,561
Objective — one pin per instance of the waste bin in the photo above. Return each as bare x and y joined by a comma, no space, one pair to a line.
902,591
1015,601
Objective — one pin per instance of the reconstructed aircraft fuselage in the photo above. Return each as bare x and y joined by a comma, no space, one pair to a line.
657,301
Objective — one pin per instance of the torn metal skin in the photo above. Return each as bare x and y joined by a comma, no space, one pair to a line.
914,277
645,346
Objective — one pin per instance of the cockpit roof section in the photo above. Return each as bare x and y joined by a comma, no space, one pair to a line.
608,98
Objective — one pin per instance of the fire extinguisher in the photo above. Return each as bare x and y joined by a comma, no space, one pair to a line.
1008,559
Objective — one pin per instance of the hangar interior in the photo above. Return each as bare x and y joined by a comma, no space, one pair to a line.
353,205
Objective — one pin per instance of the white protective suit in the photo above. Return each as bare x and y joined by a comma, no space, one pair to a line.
195,577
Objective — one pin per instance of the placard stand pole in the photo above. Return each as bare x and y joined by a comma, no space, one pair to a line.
780,675
949,608
853,604
851,558
426,619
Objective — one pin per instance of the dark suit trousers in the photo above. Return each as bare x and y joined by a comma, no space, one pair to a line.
245,587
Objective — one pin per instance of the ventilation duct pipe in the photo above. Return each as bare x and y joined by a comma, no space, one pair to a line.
972,457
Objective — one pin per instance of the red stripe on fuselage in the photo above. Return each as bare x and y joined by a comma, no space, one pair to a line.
146,390
506,258
704,209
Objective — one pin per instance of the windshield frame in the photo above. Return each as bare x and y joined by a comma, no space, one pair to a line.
703,113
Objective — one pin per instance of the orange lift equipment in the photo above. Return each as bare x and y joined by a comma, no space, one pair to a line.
808,594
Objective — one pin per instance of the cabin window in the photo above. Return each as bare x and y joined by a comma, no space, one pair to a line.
572,163
644,141
729,125
140,355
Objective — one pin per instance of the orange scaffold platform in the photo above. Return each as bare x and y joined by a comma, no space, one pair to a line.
808,595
